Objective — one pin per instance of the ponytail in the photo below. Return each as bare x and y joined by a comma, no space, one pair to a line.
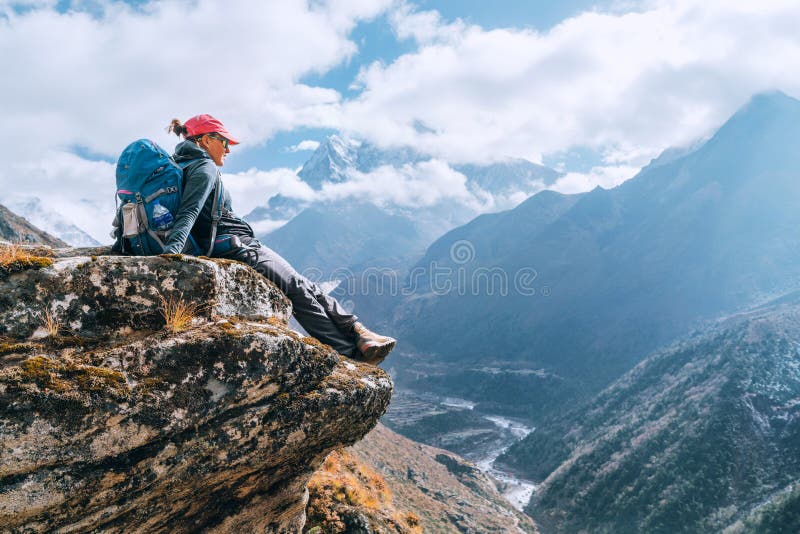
177,128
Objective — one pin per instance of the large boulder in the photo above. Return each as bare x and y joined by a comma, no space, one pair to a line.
94,296
113,423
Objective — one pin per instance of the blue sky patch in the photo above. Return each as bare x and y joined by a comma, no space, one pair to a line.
376,41
276,151
537,14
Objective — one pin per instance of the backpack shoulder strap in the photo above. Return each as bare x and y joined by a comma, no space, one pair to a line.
216,213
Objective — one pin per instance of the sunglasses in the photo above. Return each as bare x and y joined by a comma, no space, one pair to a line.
224,141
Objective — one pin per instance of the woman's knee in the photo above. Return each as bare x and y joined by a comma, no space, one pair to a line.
300,285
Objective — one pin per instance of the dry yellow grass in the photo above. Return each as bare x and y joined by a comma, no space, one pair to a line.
50,323
14,258
354,483
177,313
9,253
343,483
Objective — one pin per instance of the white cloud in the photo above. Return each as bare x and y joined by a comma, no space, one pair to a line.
304,145
431,184
422,184
253,188
266,226
605,177
630,84
126,73
102,79
80,190
424,26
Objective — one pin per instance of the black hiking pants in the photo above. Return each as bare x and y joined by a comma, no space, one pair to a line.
318,313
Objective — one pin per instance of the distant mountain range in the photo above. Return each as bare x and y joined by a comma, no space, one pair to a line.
554,299
700,437
16,229
336,158
32,209
327,235
323,240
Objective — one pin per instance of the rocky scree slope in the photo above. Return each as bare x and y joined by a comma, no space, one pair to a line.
697,438
779,515
386,483
109,422
448,493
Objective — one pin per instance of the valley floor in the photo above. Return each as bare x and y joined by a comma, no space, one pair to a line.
454,424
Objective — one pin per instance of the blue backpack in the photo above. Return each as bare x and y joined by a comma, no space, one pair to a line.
149,190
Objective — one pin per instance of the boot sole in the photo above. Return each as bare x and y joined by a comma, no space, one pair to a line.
378,353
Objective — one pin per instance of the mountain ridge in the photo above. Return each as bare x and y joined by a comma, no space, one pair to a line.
33,210
16,229
626,270
694,438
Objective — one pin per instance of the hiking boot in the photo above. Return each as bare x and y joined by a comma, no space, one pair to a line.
374,347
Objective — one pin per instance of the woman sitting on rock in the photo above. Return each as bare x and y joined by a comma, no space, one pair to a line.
208,142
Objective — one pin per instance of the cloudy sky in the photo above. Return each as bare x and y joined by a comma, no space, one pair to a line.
593,88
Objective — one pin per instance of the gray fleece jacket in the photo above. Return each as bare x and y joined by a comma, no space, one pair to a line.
194,215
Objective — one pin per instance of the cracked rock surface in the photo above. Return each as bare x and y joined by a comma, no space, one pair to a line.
114,424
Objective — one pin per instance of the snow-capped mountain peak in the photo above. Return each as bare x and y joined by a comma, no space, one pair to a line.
330,162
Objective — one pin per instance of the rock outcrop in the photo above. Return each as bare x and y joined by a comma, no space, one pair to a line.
115,417
390,484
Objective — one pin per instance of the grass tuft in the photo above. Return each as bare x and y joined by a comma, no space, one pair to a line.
178,314
14,258
344,485
50,323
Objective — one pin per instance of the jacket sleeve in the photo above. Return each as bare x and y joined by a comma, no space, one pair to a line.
199,184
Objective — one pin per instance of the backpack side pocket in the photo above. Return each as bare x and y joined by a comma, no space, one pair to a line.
130,220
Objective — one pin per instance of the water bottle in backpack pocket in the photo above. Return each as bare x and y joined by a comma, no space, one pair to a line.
162,217
149,187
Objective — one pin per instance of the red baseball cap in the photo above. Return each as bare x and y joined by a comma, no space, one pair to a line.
203,124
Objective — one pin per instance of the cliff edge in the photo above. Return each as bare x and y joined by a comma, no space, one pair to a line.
165,394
